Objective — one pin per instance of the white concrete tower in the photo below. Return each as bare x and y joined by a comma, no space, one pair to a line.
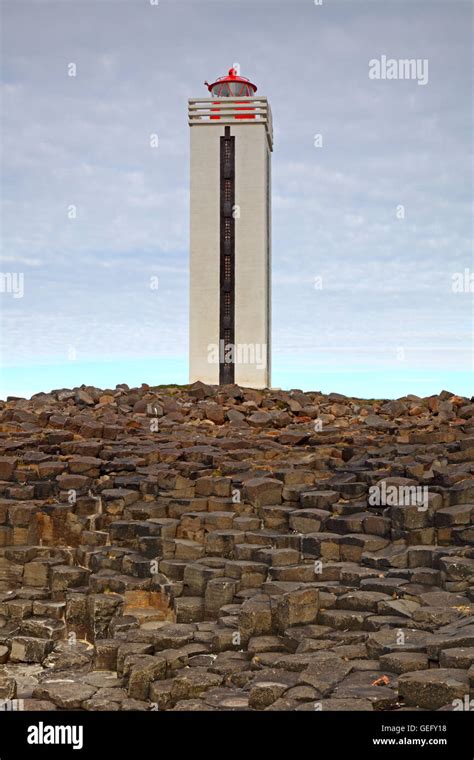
230,235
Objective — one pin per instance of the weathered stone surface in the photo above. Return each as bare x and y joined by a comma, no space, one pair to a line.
255,617
28,649
318,499
265,693
457,657
233,557
404,662
324,673
144,670
192,682
4,653
344,620
432,689
68,695
8,687
397,640
451,636
262,491
296,608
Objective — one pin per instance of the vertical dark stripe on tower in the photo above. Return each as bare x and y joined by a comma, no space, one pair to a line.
227,258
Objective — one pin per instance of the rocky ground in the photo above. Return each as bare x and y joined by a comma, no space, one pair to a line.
203,548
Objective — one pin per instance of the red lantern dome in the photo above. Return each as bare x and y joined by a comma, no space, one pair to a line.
231,85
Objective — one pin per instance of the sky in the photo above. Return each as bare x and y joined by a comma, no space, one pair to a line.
371,221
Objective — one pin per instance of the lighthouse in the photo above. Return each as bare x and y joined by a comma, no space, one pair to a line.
231,141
